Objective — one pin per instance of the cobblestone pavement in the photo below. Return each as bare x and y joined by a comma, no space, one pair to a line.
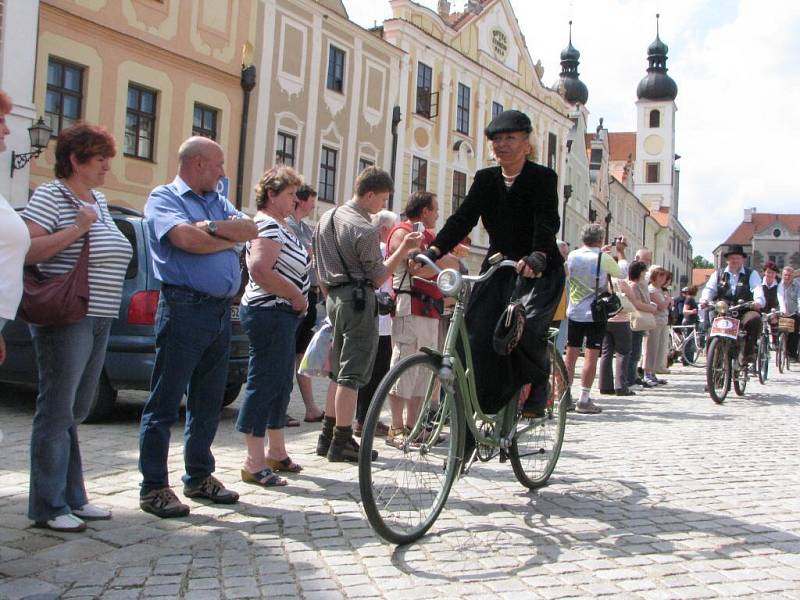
665,495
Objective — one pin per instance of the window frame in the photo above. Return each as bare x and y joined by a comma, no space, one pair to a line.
647,167
331,82
139,114
365,163
419,174
552,151
62,91
458,198
495,107
201,130
327,174
657,113
463,100
424,103
280,148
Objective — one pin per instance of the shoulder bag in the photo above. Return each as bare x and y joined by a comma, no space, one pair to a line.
642,321
605,304
58,300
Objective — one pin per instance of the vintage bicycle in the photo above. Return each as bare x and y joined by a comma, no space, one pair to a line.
723,364
687,343
405,488
785,328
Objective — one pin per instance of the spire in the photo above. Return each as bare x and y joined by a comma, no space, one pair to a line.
570,86
657,85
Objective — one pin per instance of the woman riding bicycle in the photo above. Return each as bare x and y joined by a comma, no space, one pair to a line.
518,204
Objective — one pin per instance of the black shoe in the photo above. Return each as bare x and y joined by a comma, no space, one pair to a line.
163,503
536,403
625,392
345,449
609,392
323,444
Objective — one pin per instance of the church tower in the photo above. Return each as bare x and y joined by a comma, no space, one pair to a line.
655,173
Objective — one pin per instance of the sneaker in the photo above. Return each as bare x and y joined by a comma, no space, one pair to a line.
163,503
212,489
588,408
397,437
625,392
642,382
90,512
346,450
68,523
323,444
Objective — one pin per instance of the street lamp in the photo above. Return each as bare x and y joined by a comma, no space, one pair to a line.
40,137
608,222
248,82
567,196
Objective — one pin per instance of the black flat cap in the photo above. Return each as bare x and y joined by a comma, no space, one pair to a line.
508,121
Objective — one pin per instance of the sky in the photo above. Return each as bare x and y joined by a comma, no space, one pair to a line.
737,66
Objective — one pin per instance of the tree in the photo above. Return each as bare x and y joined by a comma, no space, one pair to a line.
700,262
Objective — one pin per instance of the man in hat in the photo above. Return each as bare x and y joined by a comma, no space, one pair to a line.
738,283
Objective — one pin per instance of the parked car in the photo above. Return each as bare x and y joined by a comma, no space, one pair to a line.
131,345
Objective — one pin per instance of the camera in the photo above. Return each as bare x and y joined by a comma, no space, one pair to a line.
618,240
359,297
418,227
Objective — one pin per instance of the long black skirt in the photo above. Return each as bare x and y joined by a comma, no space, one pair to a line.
498,377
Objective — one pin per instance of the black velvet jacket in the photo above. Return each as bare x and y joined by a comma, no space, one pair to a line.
519,220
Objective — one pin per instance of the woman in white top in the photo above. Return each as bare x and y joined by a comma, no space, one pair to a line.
273,305
14,244
59,216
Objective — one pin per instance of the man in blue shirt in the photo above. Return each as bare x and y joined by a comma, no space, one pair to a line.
194,235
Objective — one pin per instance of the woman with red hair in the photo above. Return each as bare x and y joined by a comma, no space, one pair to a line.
62,214
14,243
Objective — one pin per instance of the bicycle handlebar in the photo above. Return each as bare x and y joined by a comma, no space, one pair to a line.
424,260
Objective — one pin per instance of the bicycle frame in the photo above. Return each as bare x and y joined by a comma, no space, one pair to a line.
461,373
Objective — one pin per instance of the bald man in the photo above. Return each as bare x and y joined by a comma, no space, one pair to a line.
194,234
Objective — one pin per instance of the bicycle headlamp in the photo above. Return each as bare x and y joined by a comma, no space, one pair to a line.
449,282
721,307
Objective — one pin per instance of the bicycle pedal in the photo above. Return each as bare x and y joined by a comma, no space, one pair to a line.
503,456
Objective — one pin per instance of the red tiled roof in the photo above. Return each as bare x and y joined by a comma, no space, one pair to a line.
662,216
743,234
700,276
621,145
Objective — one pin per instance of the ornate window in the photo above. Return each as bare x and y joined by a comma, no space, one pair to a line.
655,118
459,189
140,122
419,174
462,109
284,153
327,174
336,69
205,121
64,99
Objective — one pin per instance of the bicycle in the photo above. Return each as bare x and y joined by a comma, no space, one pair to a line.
404,490
785,327
763,347
723,365
691,347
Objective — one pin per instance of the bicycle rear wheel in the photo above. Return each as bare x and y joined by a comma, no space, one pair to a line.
786,352
740,380
780,352
537,445
406,487
718,370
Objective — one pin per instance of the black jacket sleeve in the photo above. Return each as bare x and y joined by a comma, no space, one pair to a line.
461,222
547,219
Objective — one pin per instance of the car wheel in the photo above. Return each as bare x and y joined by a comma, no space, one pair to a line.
104,401
231,393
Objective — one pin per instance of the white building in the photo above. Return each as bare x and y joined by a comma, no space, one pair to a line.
18,29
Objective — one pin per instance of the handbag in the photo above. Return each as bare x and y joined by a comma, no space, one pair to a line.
511,325
386,303
627,305
642,321
606,304
316,361
427,299
58,300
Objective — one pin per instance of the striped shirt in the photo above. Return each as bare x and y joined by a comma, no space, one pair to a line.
52,207
293,264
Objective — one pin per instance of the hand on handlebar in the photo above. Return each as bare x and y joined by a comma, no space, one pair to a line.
532,265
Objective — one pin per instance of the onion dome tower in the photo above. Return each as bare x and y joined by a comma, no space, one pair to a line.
570,86
656,85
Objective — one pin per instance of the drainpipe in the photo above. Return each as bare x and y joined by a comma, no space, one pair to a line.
567,196
396,118
248,82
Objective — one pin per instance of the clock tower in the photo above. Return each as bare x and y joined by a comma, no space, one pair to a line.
655,173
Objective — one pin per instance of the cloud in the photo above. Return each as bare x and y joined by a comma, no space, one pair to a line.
735,63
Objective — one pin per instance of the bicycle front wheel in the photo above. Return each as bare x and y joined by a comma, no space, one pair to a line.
762,360
537,445
718,370
694,353
406,487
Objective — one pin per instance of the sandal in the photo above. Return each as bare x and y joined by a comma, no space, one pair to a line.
264,478
317,419
292,422
287,465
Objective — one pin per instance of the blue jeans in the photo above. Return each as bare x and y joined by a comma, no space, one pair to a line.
270,373
69,359
193,333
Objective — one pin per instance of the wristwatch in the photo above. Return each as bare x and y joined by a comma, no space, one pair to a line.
212,227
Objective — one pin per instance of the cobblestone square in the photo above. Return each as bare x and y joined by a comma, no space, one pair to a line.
663,495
